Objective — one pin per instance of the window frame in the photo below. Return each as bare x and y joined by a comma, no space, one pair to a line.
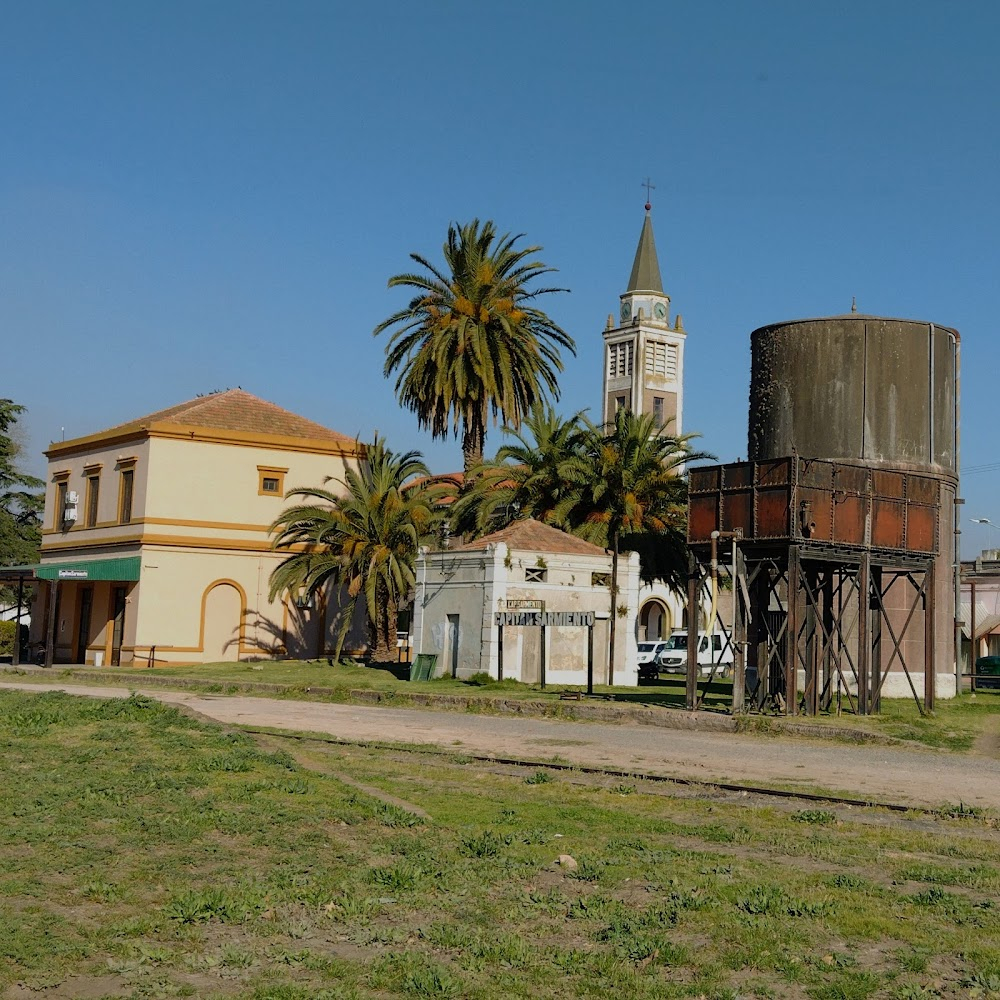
126,494
61,480
265,472
91,494
92,497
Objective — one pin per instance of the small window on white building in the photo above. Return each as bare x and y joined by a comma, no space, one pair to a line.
270,481
600,579
535,574
658,410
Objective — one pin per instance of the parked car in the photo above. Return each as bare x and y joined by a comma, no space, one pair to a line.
988,672
717,653
649,659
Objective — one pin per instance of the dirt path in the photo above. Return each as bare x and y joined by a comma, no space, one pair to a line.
888,774
988,743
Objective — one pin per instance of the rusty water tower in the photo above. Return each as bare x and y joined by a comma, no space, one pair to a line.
844,511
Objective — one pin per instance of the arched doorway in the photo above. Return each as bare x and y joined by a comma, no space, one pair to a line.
655,621
222,610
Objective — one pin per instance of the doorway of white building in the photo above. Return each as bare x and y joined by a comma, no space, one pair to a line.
654,621
451,640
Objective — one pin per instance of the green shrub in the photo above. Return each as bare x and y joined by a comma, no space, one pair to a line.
7,632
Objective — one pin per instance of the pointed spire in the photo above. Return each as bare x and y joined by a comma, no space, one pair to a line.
646,268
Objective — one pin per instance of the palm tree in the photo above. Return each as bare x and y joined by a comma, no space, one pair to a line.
470,343
365,539
526,478
631,495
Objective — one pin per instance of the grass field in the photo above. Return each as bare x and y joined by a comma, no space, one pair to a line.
956,724
149,855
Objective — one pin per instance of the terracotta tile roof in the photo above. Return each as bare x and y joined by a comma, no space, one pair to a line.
236,410
533,536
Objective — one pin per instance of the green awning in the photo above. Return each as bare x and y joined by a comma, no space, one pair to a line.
123,568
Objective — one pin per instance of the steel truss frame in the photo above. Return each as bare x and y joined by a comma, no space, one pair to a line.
817,612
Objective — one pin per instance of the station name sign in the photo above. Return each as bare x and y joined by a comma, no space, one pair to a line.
554,618
73,574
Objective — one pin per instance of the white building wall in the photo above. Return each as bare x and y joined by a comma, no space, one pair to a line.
474,585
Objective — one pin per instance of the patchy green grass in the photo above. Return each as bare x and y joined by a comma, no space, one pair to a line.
956,724
320,680
150,855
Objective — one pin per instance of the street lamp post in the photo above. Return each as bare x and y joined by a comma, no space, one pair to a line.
989,523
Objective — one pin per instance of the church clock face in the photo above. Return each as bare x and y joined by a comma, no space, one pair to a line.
660,311
626,311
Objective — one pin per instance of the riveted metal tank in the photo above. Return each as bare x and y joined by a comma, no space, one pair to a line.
855,388
874,391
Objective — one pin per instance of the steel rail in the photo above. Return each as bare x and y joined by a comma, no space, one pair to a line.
610,772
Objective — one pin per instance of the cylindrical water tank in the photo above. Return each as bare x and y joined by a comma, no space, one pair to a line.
855,388
878,392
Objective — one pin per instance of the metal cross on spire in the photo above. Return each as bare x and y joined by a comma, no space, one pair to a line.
649,186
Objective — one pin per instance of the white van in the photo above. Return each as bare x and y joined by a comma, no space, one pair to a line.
718,653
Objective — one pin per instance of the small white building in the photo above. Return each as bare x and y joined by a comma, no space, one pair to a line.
525,568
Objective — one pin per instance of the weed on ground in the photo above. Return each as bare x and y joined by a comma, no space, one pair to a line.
147,854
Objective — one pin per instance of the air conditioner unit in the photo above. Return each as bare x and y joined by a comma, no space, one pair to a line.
69,514
72,498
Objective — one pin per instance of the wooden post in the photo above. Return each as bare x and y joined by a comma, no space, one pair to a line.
16,651
50,632
590,659
542,670
499,652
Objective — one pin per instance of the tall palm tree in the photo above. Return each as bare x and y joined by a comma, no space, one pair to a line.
364,538
632,495
526,478
471,343
620,486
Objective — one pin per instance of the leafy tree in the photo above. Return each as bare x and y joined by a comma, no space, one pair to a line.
632,496
364,538
21,504
471,342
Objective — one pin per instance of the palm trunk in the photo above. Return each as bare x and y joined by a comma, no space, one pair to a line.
385,633
473,441
614,608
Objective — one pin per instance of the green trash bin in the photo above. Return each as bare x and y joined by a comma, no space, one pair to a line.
422,667
988,672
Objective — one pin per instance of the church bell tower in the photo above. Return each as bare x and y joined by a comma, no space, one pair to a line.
644,350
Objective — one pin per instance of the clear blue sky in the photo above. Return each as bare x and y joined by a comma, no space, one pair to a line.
202,195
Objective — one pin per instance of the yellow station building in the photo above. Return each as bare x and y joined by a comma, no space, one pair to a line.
155,539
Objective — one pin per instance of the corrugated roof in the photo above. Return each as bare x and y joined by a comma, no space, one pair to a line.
986,621
534,536
236,410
